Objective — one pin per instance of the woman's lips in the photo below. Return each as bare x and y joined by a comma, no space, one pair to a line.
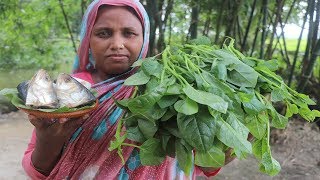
117,57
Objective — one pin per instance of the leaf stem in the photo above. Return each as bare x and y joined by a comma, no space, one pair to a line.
132,145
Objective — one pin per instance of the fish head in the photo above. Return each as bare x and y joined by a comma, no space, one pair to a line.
40,93
72,93
65,81
42,79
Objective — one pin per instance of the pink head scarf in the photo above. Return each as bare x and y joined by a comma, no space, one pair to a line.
83,61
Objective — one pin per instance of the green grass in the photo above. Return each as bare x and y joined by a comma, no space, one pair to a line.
11,78
292,45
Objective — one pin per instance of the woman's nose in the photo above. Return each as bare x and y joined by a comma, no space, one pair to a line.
117,43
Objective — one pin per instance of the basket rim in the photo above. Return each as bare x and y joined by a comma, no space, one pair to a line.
72,114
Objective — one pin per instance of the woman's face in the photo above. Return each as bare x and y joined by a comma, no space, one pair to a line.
116,41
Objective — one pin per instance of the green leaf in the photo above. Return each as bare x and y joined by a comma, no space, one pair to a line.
277,95
279,121
306,114
250,61
184,155
226,57
209,99
259,147
306,99
173,131
117,143
215,157
186,106
123,104
198,130
152,67
151,85
232,138
151,153
138,62
316,113
167,101
222,72
269,165
174,89
144,102
254,106
130,120
155,112
272,65
257,127
245,97
147,128
218,85
138,78
243,76
237,125
9,92
168,115
134,134
291,110
201,40
164,138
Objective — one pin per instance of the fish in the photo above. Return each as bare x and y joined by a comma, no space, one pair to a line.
23,90
39,91
71,93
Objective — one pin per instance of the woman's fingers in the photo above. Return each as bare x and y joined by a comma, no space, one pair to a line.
74,120
63,120
40,122
57,127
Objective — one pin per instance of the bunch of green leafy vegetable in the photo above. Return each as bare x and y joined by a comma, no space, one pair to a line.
208,99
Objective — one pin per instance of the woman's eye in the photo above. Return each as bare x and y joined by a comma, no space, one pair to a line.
129,34
104,34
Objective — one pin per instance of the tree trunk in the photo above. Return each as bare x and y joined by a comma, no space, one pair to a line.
239,30
316,25
151,8
274,29
68,26
163,23
310,34
306,76
264,27
298,48
257,32
207,24
170,29
159,23
220,20
287,59
167,13
232,17
283,25
194,20
244,41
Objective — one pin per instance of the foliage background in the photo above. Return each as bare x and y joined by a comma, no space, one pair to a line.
44,34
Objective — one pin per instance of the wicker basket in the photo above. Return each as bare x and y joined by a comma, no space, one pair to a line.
50,115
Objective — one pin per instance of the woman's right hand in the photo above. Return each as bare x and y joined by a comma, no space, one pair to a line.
52,135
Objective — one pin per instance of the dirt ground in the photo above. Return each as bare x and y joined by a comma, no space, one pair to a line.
297,149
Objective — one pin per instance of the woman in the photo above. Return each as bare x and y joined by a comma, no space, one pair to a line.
114,34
